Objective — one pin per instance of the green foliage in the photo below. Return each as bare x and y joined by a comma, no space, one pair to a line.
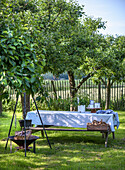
9,106
20,66
83,99
119,104
50,103
110,63
60,104
41,36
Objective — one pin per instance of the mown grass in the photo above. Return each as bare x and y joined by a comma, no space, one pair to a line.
70,150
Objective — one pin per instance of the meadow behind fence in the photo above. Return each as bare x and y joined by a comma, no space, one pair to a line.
89,88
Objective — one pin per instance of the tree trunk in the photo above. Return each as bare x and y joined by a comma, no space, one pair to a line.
72,88
108,88
1,92
0,106
99,92
27,103
54,89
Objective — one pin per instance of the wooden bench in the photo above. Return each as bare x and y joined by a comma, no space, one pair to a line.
105,133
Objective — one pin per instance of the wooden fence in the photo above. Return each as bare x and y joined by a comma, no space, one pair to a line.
62,90
117,95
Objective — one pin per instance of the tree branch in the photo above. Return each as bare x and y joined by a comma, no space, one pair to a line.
112,83
103,81
83,80
56,16
49,10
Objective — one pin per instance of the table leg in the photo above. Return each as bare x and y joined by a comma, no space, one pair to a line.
10,146
106,141
34,147
113,134
103,135
42,133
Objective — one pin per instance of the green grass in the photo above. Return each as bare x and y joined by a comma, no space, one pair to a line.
70,150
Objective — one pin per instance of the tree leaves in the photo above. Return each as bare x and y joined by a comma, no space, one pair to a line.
18,55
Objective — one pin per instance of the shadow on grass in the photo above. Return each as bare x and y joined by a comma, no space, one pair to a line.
86,140
67,152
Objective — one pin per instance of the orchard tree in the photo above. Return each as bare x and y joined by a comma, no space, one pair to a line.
20,67
111,64
69,40
50,31
64,37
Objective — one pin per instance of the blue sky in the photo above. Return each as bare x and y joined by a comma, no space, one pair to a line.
112,11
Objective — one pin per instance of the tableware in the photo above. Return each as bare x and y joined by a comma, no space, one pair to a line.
97,105
91,102
81,108
91,106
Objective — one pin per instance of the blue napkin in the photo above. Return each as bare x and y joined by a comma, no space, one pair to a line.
110,112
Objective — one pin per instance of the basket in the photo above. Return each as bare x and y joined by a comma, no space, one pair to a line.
98,126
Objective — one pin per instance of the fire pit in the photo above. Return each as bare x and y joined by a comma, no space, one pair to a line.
21,142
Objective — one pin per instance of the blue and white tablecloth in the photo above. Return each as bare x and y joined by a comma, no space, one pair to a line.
70,118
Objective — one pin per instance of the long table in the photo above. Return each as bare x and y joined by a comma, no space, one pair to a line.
70,119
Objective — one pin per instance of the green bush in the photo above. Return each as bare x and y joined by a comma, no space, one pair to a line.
52,104
61,104
118,105
11,104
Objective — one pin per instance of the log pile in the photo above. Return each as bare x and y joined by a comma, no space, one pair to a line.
20,135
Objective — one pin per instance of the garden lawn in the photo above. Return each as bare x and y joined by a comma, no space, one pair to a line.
70,150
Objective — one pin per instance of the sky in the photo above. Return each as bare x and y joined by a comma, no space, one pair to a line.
112,11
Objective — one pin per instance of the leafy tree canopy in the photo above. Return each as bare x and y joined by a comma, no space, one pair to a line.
111,59
20,66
